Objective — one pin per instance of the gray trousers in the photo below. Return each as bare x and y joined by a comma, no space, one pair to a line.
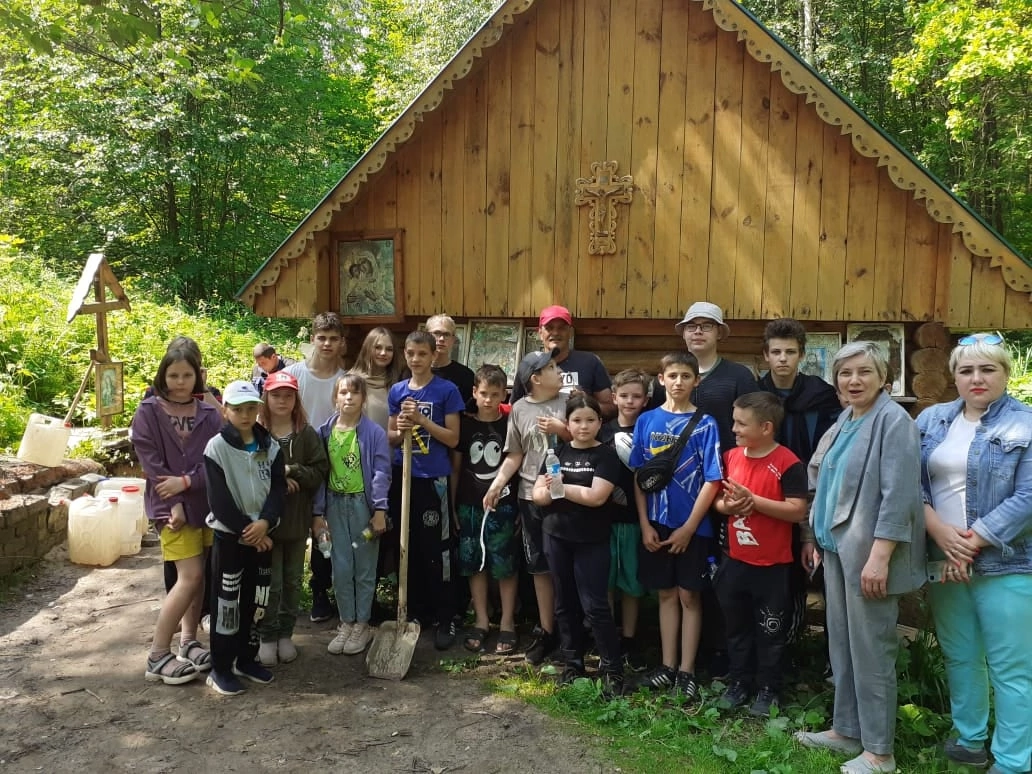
862,643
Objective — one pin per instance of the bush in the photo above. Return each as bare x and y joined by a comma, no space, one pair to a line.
42,359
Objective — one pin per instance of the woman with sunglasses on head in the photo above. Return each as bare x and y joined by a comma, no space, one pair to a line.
976,481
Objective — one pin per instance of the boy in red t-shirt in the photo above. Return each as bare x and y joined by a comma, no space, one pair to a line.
764,495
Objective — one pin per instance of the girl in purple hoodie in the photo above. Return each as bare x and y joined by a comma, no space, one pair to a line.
170,430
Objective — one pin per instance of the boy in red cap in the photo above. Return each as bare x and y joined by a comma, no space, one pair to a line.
580,371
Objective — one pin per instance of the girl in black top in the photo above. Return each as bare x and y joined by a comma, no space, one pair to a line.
576,542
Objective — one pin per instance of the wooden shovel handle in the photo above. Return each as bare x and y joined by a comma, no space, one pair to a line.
403,535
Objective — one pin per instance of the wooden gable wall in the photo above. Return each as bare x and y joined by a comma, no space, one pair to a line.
744,196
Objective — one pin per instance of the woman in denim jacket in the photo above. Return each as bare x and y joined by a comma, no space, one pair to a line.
976,482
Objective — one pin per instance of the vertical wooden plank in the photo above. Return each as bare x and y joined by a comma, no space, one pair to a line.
453,250
942,271
749,263
693,277
920,279
474,193
777,235
888,259
960,284
409,219
321,247
806,212
727,162
265,302
308,279
988,295
641,215
570,114
594,127
546,108
618,147
1017,310
521,212
863,208
428,299
499,168
831,252
286,289
382,194
673,83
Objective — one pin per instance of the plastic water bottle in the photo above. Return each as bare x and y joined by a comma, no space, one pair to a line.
557,488
367,535
324,544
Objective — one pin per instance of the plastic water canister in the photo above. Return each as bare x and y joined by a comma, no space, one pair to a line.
128,526
131,500
94,534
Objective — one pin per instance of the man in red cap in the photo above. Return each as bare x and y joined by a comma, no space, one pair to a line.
581,371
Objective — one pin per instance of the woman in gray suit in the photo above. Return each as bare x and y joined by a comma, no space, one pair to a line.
867,518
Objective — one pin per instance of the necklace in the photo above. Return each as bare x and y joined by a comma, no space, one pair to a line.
180,402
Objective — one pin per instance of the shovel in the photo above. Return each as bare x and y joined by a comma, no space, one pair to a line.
390,655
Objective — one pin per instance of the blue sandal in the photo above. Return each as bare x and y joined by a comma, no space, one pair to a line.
194,653
183,673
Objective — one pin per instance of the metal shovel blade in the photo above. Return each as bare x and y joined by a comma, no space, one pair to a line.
390,655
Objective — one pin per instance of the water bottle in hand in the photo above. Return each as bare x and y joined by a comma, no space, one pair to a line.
324,544
557,489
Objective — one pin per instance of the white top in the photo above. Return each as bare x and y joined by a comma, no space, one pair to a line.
947,470
316,394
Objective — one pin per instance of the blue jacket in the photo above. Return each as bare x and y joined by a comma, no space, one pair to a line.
999,479
375,454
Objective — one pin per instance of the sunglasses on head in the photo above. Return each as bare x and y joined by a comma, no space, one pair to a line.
981,338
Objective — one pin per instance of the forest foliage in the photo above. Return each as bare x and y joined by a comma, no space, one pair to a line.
187,138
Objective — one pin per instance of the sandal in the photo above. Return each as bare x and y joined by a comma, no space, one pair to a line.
183,672
475,638
506,643
194,653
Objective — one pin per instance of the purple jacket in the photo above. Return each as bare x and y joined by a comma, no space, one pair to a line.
161,453
375,454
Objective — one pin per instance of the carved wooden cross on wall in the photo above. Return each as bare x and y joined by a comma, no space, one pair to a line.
603,191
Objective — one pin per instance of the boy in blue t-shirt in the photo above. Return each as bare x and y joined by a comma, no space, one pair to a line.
428,407
677,538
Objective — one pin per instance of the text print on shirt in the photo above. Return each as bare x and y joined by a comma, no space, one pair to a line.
421,436
182,425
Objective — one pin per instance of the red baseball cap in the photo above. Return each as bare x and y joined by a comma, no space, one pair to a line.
279,380
550,313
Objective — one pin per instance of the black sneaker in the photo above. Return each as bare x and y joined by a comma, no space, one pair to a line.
612,685
765,699
660,678
632,660
254,672
444,635
735,695
570,673
322,610
686,685
542,647
226,684
960,754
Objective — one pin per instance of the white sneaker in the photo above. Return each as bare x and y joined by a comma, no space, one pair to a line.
206,624
361,636
336,646
268,654
287,650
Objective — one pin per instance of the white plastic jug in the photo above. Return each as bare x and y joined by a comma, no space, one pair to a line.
130,505
117,486
44,441
94,533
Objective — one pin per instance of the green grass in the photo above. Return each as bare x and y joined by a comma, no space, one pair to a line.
649,733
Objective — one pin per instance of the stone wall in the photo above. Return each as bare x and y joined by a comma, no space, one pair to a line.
32,517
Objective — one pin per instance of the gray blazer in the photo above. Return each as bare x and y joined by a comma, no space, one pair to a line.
881,497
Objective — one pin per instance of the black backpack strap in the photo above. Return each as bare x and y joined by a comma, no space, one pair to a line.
682,439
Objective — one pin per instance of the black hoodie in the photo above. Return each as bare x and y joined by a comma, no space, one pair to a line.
811,407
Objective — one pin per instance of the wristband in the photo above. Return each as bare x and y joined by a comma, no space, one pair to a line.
186,482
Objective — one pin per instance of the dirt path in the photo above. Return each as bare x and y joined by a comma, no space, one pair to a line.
73,698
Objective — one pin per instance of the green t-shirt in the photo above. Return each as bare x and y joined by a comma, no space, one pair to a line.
345,462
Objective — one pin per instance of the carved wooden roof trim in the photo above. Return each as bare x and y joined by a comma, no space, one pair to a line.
376,157
904,172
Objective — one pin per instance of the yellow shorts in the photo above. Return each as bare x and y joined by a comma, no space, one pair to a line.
185,542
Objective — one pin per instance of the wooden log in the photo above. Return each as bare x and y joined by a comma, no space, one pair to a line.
929,385
930,360
933,334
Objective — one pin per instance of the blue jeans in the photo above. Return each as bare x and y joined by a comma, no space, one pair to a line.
985,630
354,569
